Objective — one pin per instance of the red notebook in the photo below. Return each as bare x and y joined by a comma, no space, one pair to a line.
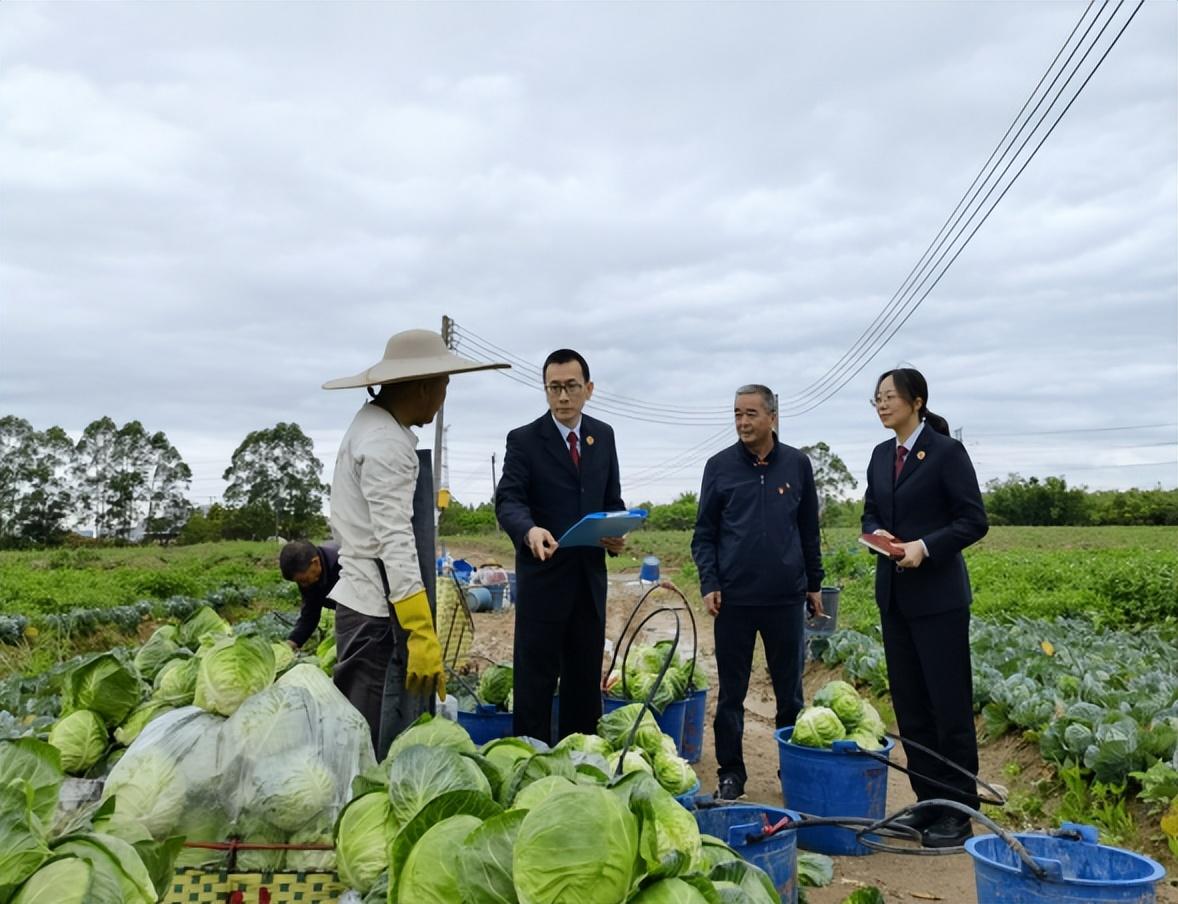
882,545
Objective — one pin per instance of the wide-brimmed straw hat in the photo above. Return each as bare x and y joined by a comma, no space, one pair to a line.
412,355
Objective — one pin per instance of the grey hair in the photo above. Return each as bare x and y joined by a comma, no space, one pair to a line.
764,392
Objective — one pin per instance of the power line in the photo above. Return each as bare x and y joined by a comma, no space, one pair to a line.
835,383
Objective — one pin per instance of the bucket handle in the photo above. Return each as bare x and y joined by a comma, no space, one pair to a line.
664,585
633,733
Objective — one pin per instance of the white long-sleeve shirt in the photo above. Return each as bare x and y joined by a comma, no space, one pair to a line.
372,512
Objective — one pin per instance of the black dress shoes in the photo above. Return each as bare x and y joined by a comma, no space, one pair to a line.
951,830
918,819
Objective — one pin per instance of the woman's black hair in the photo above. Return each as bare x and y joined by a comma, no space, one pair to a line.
910,386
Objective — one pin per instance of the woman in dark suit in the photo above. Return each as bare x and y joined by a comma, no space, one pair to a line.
923,493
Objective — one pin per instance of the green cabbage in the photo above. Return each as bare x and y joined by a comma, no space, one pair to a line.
152,793
118,869
635,761
673,772
160,647
484,861
817,726
844,700
289,790
22,835
175,683
669,891
283,656
865,739
81,739
541,789
126,733
585,743
318,861
419,774
103,685
495,684
65,881
430,874
433,732
38,764
204,622
362,851
577,846
615,728
234,668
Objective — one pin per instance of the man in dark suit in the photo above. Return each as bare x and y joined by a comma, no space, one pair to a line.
558,469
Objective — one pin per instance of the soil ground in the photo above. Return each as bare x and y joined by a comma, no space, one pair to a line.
901,878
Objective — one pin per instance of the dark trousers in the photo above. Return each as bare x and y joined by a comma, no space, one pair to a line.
932,691
782,630
364,647
569,651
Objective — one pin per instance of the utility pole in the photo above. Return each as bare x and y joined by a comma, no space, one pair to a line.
957,435
494,479
439,421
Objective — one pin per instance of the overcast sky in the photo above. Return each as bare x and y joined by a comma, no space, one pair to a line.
207,210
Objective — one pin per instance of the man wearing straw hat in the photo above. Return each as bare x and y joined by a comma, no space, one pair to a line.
372,495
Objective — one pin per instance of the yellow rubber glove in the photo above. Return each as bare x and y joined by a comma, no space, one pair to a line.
425,653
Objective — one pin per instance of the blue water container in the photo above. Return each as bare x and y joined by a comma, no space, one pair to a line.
1079,870
695,716
670,720
511,595
498,591
842,781
485,724
777,855
649,570
462,570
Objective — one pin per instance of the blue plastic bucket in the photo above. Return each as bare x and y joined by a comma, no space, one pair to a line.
670,720
649,570
485,724
687,798
478,599
695,715
497,593
837,782
511,587
1080,871
777,855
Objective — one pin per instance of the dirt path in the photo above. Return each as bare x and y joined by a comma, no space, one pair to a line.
902,878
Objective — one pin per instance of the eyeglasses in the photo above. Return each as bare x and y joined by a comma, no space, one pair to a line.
884,400
571,388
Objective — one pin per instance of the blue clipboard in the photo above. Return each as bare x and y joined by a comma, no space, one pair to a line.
592,528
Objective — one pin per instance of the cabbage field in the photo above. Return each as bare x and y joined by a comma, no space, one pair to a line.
1073,638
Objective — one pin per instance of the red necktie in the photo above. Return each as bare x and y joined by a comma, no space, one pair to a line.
576,456
901,452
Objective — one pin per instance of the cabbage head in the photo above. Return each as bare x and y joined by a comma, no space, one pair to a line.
126,733
160,647
81,739
204,622
289,790
844,700
118,868
22,834
585,743
670,840
232,670
865,739
580,846
669,891
276,720
541,789
433,732
615,728
484,862
635,762
430,874
69,880
419,774
283,656
103,685
361,849
817,726
313,861
872,721
495,684
150,790
255,830
673,772
175,683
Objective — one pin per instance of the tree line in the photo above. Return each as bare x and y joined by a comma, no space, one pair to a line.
125,483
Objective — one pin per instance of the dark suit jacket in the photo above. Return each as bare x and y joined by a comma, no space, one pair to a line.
541,487
935,499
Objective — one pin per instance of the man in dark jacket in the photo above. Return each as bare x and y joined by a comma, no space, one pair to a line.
315,569
756,548
558,469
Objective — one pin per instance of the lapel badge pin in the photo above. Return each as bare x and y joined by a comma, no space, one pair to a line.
781,491
588,441
920,455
